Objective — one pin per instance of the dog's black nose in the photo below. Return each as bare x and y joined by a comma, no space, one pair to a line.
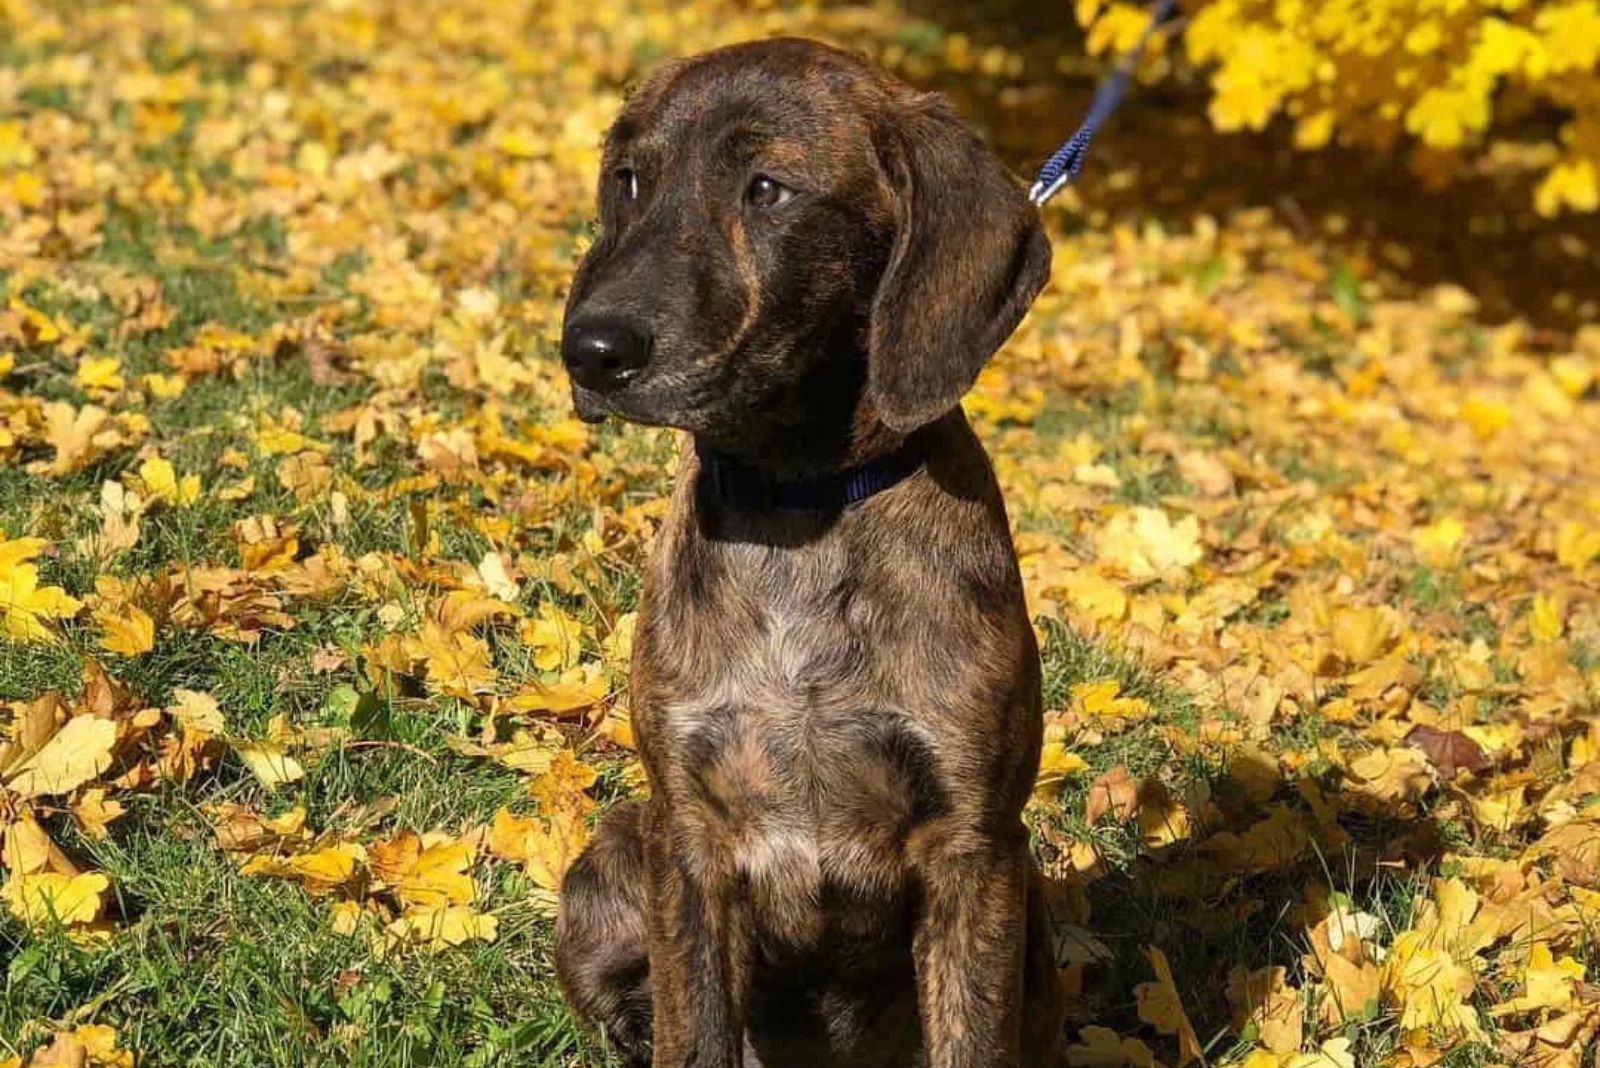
604,352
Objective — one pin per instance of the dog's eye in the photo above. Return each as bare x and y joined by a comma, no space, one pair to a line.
765,192
627,180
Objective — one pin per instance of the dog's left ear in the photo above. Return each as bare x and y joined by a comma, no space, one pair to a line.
969,256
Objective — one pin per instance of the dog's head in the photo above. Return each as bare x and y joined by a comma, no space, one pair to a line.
791,245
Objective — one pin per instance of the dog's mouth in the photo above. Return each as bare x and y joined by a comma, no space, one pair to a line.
589,405
626,404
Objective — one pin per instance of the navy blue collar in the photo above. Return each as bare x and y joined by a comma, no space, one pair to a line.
746,486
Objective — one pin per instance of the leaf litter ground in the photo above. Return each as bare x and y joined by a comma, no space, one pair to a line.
315,603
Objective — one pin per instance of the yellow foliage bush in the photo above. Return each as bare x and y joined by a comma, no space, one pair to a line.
1466,79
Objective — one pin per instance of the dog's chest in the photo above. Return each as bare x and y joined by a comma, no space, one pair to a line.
791,754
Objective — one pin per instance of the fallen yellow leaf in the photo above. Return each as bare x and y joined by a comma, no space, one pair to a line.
435,929
270,763
128,631
47,897
78,752
1161,1008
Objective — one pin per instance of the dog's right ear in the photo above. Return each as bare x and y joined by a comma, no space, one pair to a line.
969,256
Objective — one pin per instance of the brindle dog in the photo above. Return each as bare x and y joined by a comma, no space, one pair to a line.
805,264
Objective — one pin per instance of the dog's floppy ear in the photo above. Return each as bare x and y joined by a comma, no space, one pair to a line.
969,256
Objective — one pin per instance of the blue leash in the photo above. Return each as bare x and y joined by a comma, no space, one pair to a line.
1064,165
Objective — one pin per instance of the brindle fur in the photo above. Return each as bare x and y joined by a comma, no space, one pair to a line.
839,713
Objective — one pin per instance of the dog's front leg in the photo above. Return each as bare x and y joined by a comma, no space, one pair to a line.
968,946
699,965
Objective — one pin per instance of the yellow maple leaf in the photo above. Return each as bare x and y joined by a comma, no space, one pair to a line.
1486,416
1101,1047
120,509
530,752
1429,986
321,871
93,811
1547,983
1096,596
554,637
269,762
238,491
562,785
347,916
436,929
1444,116
1056,764
465,609
1258,1058
274,440
265,543
1353,990
1144,543
1334,1053
618,645
1361,635
128,631
163,386
457,663
510,834
1162,819
545,847
1500,811
1264,999
1439,544
17,551
424,876
1576,544
1100,699
1546,619
47,897
74,434
1574,185
197,711
1275,841
1162,1008
161,483
574,690
1388,780
238,828
1255,771
306,475
85,1046
27,849
99,375
25,605
76,753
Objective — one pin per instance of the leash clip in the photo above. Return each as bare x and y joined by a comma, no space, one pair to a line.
1065,163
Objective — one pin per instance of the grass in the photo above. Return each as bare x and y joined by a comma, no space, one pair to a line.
231,970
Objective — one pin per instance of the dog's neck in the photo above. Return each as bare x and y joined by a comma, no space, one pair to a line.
801,453
728,481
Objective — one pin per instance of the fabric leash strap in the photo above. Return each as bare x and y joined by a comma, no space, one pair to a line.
744,485
1064,165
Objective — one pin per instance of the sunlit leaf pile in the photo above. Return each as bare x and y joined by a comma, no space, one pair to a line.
316,603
